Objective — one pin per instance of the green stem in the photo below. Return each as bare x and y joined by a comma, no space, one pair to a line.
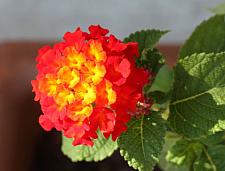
209,159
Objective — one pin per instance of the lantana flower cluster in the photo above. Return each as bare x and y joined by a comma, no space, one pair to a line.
88,82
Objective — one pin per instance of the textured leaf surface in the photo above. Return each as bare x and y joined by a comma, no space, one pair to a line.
198,99
196,156
184,152
208,37
152,60
146,39
170,141
212,159
102,148
163,81
214,139
143,141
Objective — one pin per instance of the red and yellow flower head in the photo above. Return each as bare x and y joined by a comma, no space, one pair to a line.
88,82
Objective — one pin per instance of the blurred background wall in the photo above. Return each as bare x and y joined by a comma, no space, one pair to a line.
49,19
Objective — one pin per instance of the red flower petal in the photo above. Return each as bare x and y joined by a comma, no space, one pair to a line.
45,122
101,99
103,118
139,77
127,99
88,82
116,45
118,69
97,31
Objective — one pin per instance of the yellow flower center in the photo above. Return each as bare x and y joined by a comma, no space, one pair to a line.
76,80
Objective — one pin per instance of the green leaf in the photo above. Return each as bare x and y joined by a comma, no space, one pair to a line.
217,154
152,60
214,139
195,155
219,9
212,159
143,141
163,81
170,141
184,152
102,148
198,98
160,90
208,37
202,164
146,39
220,126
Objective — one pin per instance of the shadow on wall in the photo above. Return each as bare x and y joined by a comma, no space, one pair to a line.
24,145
